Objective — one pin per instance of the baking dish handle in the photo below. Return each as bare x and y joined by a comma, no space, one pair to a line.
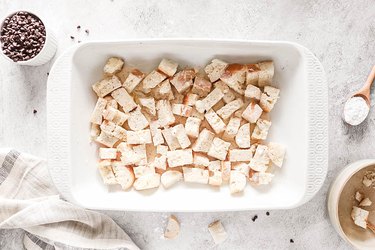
58,135
318,125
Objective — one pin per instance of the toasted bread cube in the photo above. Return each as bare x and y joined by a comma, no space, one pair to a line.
192,125
141,152
113,65
201,86
204,141
209,101
190,99
124,99
106,139
261,130
149,104
253,92
181,110
97,114
115,116
173,227
165,113
180,133
195,175
252,112
228,93
170,178
170,139
147,181
94,131
243,136
276,153
235,155
226,167
106,172
217,232
143,170
215,69
234,76
231,129
134,78
214,165
241,167
226,111
216,179
359,216
183,80
266,73
157,137
196,114
163,91
128,156
137,121
200,160
139,137
106,86
114,130
153,79
366,202
252,74
219,149
215,121
111,103
237,182
261,178
179,157
359,196
269,98
160,160
260,160
168,67
124,175
119,132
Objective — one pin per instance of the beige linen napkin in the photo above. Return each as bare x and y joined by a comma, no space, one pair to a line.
28,200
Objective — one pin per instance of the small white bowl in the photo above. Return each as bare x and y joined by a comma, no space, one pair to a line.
45,54
341,199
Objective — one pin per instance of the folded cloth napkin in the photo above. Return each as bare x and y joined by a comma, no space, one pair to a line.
28,200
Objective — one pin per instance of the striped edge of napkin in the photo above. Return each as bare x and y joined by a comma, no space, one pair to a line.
28,200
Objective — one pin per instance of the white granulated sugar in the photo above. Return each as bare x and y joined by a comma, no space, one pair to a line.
355,110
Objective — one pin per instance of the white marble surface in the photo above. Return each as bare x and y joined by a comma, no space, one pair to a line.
340,33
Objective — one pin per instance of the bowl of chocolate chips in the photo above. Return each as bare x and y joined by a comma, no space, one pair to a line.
25,39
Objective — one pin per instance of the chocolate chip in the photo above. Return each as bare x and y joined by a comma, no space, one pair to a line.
22,36
254,218
291,241
35,111
268,213
87,31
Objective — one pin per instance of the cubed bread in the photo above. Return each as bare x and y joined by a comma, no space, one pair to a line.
163,91
226,167
195,175
219,149
242,167
168,67
139,137
94,131
148,104
115,116
253,92
231,107
141,152
237,182
179,157
164,112
143,170
260,160
252,74
252,112
106,172
170,178
200,160
137,120
261,130
106,86
215,121
157,137
217,232
276,153
209,101
204,141
261,178
215,69
113,65
153,79
192,125
214,165
231,129
243,136
234,76
147,182
201,86
181,110
124,99
236,155
106,139
216,178
266,73
268,98
170,139
124,175
183,80
180,133
190,99
111,103
229,94
134,78
97,114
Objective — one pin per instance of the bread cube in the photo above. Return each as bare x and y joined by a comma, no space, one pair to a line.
236,155
139,137
163,91
234,77
269,98
192,125
147,181
153,79
237,182
231,129
180,133
124,175
106,172
134,78
195,175
164,112
111,103
217,232
219,149
106,86
168,67
141,152
214,165
252,113
179,157
170,178
266,73
181,110
190,99
106,139
226,167
216,179
124,99
183,80
94,131
149,104
260,160
115,116
229,94
137,121
261,130
276,153
200,160
97,114
253,92
113,65
209,101
215,69
243,136
215,122
360,217
226,111
143,170
261,178
157,137
204,141
252,74
201,86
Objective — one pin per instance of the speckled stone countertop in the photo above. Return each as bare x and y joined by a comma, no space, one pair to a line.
340,33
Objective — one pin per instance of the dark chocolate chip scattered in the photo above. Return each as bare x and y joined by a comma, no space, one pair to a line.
268,213
254,218
72,37
87,32
35,111
78,27
291,241
22,36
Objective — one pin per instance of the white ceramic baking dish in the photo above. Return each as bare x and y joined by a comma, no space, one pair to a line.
299,121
